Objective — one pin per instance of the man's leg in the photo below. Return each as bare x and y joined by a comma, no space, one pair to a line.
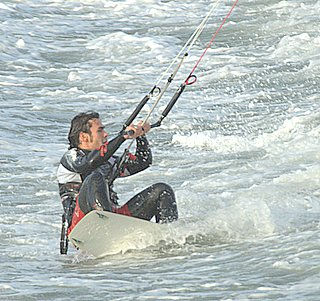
157,200
93,194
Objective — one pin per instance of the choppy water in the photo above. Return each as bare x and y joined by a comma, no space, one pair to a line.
241,147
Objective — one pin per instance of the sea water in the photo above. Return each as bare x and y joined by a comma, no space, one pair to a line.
240,148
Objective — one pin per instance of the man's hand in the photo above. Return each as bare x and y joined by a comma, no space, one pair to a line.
137,130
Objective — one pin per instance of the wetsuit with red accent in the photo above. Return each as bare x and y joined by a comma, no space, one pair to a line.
74,166
94,173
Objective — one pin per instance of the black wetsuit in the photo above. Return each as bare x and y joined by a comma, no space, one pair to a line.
91,175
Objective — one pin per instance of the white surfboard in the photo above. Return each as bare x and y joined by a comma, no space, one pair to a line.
102,233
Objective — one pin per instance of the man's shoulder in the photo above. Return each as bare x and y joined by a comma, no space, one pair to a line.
72,154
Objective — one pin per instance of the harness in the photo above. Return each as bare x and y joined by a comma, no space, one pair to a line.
68,193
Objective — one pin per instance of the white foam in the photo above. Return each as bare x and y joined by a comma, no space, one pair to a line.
73,76
282,265
4,286
294,131
296,48
5,145
120,46
219,144
3,6
306,178
20,43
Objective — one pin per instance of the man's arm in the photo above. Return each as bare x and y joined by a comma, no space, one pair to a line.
84,162
141,160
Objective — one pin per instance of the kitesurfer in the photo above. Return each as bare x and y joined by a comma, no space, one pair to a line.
86,169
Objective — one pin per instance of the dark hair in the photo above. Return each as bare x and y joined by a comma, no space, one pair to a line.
80,123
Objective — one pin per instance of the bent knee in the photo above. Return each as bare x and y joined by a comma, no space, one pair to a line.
162,187
95,176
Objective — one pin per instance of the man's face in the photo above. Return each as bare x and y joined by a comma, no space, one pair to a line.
98,135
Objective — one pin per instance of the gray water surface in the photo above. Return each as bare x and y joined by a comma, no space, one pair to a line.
240,148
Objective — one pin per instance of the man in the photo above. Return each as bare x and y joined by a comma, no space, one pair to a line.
87,171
